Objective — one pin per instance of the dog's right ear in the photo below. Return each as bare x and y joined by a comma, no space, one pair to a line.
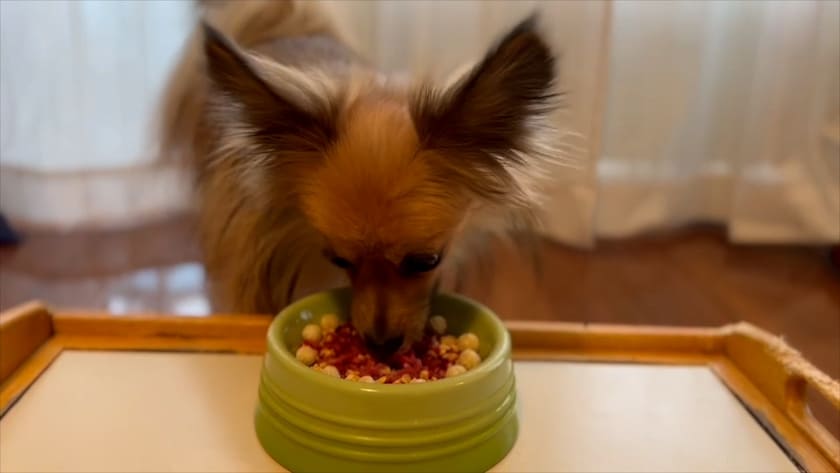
278,107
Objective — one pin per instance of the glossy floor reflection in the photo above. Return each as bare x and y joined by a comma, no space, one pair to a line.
151,269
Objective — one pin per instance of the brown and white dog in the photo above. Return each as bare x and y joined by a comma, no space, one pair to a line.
305,156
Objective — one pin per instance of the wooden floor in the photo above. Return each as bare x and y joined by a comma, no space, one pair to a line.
689,277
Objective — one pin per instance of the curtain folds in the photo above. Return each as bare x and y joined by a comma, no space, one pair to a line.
677,112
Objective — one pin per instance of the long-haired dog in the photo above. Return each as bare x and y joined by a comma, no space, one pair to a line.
305,156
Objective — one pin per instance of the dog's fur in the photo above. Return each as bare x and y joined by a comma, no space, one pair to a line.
304,155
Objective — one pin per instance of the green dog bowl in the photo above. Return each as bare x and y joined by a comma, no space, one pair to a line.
310,422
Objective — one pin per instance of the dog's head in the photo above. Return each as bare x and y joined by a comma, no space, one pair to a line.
387,179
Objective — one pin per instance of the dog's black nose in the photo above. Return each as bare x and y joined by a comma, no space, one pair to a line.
386,348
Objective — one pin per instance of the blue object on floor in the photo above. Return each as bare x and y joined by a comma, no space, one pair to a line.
7,235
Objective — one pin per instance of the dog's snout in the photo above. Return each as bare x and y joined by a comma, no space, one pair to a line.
389,318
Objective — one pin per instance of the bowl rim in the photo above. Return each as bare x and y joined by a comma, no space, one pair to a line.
499,354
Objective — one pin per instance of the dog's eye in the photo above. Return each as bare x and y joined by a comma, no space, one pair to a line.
415,263
341,262
338,260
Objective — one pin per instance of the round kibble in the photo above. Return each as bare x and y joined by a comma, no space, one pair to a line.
312,333
449,341
306,355
438,324
468,340
337,349
455,370
469,359
329,322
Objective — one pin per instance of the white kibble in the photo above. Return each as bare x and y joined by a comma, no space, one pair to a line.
418,380
306,355
351,377
438,324
455,370
329,322
469,359
312,333
468,340
449,341
332,371
367,379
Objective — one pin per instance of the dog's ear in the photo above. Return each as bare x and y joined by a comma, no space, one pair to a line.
488,111
273,104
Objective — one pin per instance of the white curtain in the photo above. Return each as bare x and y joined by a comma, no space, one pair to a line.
79,82
723,112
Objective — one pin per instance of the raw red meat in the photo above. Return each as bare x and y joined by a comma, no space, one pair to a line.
345,349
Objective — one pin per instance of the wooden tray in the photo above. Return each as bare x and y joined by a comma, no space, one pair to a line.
95,392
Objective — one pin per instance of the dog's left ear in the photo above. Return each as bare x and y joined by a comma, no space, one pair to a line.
489,110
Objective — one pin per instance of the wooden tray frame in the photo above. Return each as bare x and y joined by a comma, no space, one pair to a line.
768,376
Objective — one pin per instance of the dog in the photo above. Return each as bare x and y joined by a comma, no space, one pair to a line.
311,166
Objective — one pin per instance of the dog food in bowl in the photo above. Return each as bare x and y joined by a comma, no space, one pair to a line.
339,350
